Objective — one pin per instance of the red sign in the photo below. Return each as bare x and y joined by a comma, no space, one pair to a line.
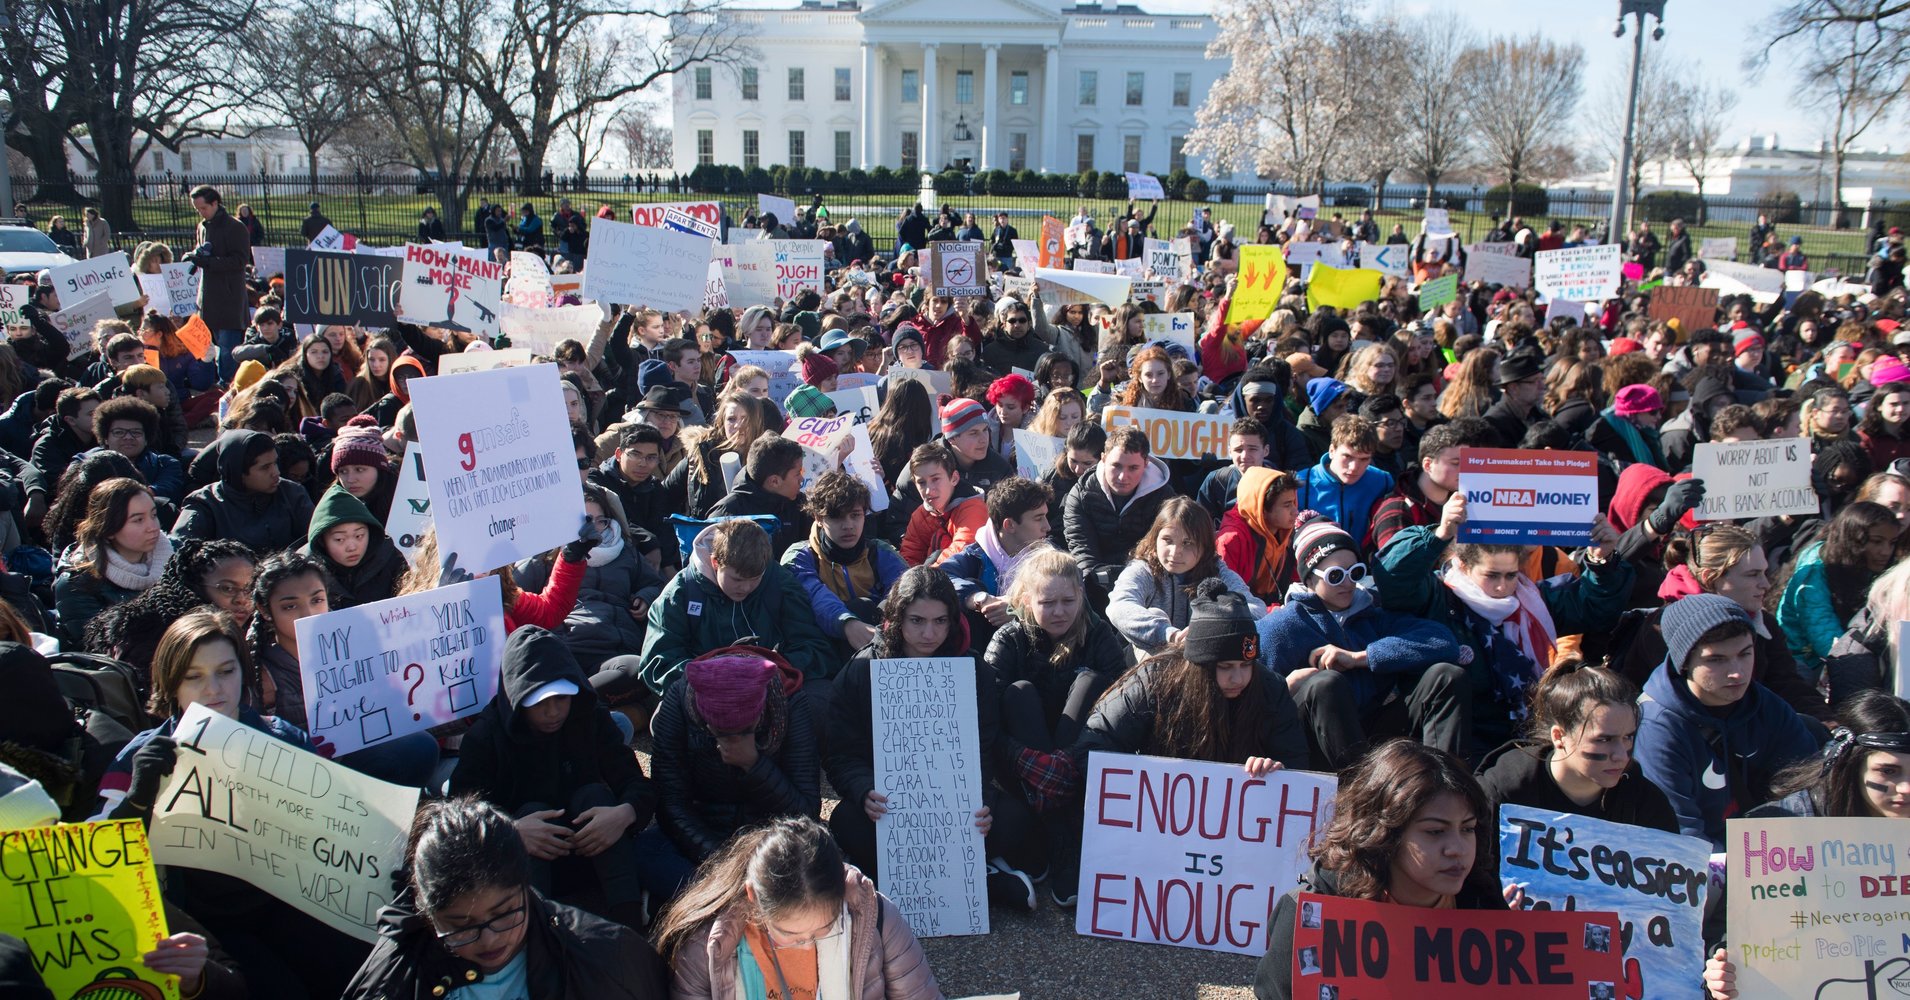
1353,949
652,214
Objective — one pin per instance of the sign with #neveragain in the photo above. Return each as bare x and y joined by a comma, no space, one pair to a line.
84,900
450,290
1192,853
1528,496
928,765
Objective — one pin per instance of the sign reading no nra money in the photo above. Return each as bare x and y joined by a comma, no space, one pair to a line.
1528,497
1171,433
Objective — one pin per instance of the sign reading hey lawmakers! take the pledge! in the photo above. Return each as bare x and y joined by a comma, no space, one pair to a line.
1528,497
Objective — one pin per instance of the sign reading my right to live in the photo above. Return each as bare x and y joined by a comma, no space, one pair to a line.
1528,496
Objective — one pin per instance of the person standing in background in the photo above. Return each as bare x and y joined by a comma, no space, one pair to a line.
98,238
224,252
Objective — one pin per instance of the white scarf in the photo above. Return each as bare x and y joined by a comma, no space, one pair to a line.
1523,617
139,576
605,553
1005,564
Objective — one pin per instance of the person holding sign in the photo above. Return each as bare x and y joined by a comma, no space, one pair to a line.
470,925
778,906
1410,826
844,570
922,619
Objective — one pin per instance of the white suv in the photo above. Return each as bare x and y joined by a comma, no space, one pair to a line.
26,250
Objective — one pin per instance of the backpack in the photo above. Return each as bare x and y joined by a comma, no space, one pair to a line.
101,684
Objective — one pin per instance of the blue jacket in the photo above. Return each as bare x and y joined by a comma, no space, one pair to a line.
831,610
972,572
1805,613
1350,507
1715,768
1396,644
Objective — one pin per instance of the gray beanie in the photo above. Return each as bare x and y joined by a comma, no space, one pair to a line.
1688,618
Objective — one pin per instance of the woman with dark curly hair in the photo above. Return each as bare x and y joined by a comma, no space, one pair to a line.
217,572
76,487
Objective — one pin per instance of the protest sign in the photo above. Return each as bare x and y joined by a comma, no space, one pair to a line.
1063,288
767,270
1438,221
158,296
716,293
858,380
928,764
1133,269
859,403
12,297
1528,497
1718,248
1796,281
567,286
1173,434
541,330
1017,286
1144,186
1027,253
1192,853
1342,289
1262,279
1565,309
823,437
653,213
1583,274
1162,258
528,284
1148,291
1438,292
1357,948
77,320
1036,453
311,833
1498,269
268,262
1386,258
410,506
1754,479
955,269
784,209
84,900
174,291
1177,328
504,484
1655,881
1077,234
450,290
1052,252
1813,908
1694,308
1085,266
1763,284
938,382
331,239
685,223
349,289
482,360
1903,660
783,377
1493,249
1304,255
375,672
646,265
112,274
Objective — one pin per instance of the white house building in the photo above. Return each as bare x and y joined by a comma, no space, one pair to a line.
267,151
1759,165
1048,85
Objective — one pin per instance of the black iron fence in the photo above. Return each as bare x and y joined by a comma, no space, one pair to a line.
386,208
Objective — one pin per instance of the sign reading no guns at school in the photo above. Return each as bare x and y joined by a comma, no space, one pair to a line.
1754,479
315,834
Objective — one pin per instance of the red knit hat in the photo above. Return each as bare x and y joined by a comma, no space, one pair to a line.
818,366
961,413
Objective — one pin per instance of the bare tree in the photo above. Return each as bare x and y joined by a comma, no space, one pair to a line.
646,143
1854,58
589,69
1662,95
1700,125
1523,92
1436,125
300,83
1375,144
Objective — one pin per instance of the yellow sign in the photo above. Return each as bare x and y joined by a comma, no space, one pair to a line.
84,898
1171,433
1329,286
1263,279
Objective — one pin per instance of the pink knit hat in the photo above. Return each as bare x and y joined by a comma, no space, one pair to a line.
1635,399
1888,369
730,691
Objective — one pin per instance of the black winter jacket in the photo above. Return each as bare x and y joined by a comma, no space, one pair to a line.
1124,721
1020,651
687,496
267,522
1519,773
748,498
704,801
1102,530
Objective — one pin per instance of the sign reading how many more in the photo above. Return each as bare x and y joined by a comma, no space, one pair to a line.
1192,853
1528,497
955,269
450,290
503,478
315,834
928,765
84,900
1754,479
379,671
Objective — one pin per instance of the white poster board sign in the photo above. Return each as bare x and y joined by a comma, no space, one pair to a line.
1498,269
1166,258
1087,266
1582,274
1814,907
1438,222
112,274
268,262
1059,287
1036,453
1903,660
331,239
928,764
451,290
653,213
1386,258
376,672
1527,496
1173,434
784,209
410,506
1754,479
716,293
541,330
483,361
1157,867
1145,186
823,439
646,265
1175,328
938,382
77,320
768,270
528,284
1764,284
173,292
12,298
684,222
312,833
1718,248
504,484
784,375
859,403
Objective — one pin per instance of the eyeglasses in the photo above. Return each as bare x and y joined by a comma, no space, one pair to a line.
126,434
228,590
834,931
1333,576
465,937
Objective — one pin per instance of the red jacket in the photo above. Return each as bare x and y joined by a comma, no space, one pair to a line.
937,336
931,537
548,609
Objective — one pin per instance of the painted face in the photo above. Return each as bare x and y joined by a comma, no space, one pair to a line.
1436,852
1497,574
1176,550
346,543
1057,604
1719,673
1601,750
1887,784
212,679
925,626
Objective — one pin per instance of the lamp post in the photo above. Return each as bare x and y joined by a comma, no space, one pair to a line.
1636,9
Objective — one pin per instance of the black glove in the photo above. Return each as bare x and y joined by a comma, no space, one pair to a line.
151,764
1680,498
452,573
588,537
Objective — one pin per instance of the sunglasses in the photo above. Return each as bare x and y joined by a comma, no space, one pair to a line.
1333,576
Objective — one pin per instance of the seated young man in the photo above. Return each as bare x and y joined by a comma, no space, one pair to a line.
1344,486
951,512
1246,449
1261,394
845,570
771,484
1255,538
129,425
1112,508
1417,498
966,434
630,475
983,570
1708,734
1388,417
1361,674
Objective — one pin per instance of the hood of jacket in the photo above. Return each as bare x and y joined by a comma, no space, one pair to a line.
1153,478
336,507
534,657
237,451
405,360
1635,485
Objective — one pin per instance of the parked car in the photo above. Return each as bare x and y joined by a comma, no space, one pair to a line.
26,250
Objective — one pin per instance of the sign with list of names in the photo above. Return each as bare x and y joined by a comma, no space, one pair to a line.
930,857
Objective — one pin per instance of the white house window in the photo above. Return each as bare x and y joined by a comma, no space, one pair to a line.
752,149
842,83
795,83
1183,89
1083,153
1089,83
1018,88
232,162
1131,153
749,83
964,86
911,86
797,149
911,151
1177,153
1136,89
281,162
842,151
705,146
1018,151
185,160
702,83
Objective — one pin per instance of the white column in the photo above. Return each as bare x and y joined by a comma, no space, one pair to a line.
989,138
867,95
927,146
1051,113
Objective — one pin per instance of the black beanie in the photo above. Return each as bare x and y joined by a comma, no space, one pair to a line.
1221,627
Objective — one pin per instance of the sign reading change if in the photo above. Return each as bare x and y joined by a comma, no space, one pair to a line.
315,834
1192,853
503,477
1528,497
928,764
1754,479
84,900
379,671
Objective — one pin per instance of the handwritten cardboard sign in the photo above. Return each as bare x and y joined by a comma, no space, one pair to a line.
112,274
1528,497
937,382
1814,907
646,265
1583,274
504,483
1192,853
859,403
956,269
1754,479
1171,433
453,291
928,764
84,899
1656,882
528,283
1693,307
77,320
822,438
313,833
